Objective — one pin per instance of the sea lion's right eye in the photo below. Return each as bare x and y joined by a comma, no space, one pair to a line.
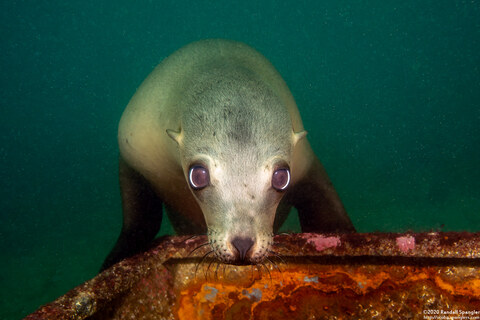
198,177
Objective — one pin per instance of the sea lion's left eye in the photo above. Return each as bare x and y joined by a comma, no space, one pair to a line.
281,179
198,177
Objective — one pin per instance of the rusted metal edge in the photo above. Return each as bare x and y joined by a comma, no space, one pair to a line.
460,245
91,296
95,294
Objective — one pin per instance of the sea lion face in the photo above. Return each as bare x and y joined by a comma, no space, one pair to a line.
239,202
235,147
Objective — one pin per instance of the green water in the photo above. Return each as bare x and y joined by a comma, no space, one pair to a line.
389,93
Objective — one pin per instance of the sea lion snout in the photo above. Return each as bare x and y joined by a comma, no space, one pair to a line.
238,246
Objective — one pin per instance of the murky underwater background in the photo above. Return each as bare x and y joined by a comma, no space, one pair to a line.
389,92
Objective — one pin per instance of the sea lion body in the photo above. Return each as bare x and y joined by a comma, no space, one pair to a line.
217,111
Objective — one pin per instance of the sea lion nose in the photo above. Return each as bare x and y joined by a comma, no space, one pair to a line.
242,245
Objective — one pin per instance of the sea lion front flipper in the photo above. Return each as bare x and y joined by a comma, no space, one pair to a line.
318,204
142,215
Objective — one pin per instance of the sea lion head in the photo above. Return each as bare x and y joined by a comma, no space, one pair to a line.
236,144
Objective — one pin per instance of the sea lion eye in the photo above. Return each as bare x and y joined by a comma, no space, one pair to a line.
198,177
281,179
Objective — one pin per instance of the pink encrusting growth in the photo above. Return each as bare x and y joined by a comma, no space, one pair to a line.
321,242
191,240
406,243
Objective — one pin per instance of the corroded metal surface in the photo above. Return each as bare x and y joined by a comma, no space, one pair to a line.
311,276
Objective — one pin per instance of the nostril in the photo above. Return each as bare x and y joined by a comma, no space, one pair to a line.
242,245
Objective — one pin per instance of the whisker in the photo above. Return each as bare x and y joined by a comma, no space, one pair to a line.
277,256
224,268
201,261
259,271
274,265
268,271
277,267
202,245
194,236
208,268
216,269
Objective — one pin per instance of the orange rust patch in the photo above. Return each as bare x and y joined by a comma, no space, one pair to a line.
320,291
466,287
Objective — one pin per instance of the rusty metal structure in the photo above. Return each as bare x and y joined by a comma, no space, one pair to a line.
310,276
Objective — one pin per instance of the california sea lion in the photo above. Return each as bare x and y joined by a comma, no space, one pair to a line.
214,135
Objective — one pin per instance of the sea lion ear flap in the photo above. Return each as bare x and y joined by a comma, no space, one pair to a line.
297,136
177,136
